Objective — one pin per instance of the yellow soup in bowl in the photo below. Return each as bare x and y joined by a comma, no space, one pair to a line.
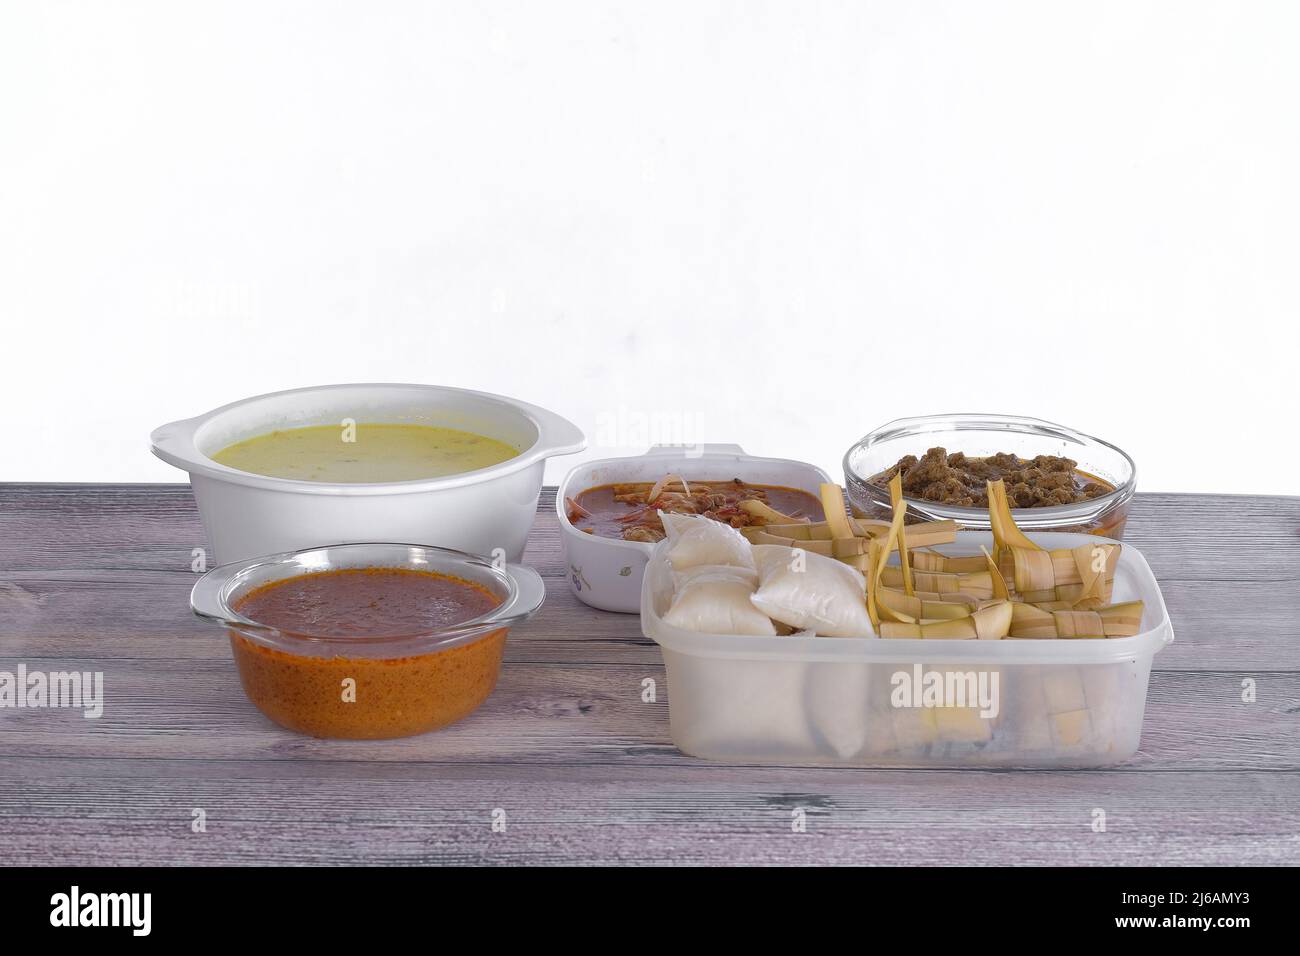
365,453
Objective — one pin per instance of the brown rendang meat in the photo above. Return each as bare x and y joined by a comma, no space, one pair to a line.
955,479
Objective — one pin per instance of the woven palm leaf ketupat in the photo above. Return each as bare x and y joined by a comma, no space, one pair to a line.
827,537
1081,576
927,605
947,564
1020,590
831,547
877,556
920,609
925,534
1115,620
1000,590
987,624
976,583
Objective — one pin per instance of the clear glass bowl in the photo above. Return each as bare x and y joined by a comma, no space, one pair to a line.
368,686
982,435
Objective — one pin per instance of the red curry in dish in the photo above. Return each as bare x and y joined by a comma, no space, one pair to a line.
629,510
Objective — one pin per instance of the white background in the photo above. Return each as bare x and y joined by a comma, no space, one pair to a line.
779,224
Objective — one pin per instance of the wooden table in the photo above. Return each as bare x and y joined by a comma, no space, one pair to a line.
96,578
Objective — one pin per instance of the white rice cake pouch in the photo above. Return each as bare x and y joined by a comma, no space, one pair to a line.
811,591
694,540
715,599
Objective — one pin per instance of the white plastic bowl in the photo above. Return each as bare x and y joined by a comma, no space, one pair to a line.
831,700
606,572
246,515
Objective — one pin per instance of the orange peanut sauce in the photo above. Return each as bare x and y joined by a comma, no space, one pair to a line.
394,696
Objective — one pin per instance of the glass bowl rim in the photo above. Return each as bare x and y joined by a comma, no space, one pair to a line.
1010,423
210,600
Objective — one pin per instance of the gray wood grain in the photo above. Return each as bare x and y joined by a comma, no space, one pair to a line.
569,714
139,811
96,577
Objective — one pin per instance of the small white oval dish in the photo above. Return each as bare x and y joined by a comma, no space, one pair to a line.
606,572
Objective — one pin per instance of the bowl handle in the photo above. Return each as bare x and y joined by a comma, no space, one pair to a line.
531,593
558,435
174,442
205,597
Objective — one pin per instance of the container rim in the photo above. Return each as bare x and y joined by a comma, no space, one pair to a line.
175,443
872,649
211,598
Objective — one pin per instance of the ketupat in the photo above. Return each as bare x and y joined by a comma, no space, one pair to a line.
1081,574
814,535
1074,575
946,563
989,623
895,619
975,583
1116,620
928,605
830,547
1021,590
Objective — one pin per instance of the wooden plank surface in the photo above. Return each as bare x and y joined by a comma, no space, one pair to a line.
96,577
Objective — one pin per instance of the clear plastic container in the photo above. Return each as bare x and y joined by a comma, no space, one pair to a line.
845,701
403,684
982,435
